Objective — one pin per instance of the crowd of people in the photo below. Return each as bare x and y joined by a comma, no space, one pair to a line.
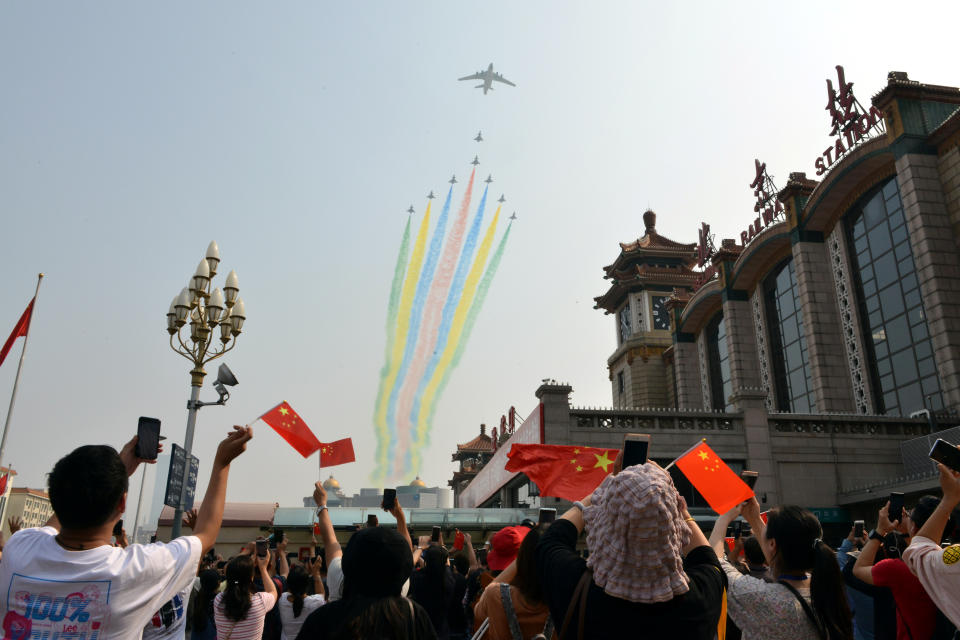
648,571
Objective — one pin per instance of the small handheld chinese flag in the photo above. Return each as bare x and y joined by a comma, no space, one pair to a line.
316,528
285,421
717,483
562,471
334,453
19,331
3,483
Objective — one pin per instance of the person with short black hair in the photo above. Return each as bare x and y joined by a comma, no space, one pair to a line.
113,592
756,562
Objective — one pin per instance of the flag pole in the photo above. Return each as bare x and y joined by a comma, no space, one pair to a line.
16,381
684,453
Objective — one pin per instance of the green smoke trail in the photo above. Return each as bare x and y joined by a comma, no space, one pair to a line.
482,290
391,325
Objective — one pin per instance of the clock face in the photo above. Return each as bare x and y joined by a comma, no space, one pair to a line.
661,317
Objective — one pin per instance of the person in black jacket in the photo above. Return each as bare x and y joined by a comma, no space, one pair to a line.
650,571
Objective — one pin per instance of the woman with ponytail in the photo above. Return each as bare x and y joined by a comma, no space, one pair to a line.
238,611
807,600
295,604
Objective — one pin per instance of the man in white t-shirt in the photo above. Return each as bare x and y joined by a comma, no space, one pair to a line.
66,580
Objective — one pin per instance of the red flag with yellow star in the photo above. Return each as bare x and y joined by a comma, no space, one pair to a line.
717,483
334,453
291,427
562,471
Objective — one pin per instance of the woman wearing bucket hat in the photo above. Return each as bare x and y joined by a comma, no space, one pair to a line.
650,572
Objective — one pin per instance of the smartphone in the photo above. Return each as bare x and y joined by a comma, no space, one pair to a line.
389,499
635,448
750,477
435,535
148,438
118,529
262,548
547,516
318,551
858,529
372,520
946,454
895,513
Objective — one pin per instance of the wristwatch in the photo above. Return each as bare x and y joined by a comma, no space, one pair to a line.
321,508
876,535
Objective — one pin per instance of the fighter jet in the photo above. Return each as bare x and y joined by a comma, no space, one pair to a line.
489,179
476,160
513,216
453,180
502,199
410,210
488,78
479,137
431,196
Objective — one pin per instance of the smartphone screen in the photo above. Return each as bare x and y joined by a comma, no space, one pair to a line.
858,528
262,548
435,535
946,454
148,438
547,516
895,513
750,477
389,498
635,449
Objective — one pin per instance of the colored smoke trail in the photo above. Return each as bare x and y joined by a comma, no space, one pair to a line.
415,317
446,321
392,308
454,342
427,339
471,320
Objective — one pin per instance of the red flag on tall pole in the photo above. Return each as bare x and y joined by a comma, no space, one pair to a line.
562,471
291,427
19,330
338,452
717,483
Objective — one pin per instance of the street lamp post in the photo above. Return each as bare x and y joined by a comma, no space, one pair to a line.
207,310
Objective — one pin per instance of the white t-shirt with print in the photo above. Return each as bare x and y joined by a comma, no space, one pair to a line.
104,593
170,622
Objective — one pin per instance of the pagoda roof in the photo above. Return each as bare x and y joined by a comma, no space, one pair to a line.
650,245
482,443
681,276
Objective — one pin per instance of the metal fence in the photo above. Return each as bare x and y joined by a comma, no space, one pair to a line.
915,452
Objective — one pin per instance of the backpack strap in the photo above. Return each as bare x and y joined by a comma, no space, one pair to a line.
818,625
580,593
510,612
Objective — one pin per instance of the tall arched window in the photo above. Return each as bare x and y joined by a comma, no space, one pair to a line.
721,386
903,371
788,344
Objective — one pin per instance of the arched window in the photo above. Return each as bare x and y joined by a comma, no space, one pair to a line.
721,386
894,323
788,344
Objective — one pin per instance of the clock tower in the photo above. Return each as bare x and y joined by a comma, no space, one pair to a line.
642,278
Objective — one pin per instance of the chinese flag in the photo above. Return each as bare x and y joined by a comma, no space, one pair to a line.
334,453
716,482
19,330
316,528
3,483
292,428
562,471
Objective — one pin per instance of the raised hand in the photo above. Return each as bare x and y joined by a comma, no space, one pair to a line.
129,456
233,445
190,519
319,494
15,523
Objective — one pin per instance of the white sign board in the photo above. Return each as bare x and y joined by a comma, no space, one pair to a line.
494,474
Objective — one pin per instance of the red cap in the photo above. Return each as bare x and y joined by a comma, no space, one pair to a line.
504,547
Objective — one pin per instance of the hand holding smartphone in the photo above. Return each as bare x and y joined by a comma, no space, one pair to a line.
148,439
636,446
946,454
262,546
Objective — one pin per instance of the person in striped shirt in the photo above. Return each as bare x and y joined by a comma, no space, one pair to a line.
239,611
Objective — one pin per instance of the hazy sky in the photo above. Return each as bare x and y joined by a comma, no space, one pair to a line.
297,134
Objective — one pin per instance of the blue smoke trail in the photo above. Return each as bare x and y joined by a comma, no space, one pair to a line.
449,308
416,315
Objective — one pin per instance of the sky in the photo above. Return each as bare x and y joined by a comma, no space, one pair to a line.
296,135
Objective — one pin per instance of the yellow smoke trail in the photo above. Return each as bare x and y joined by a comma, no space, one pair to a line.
456,329
400,342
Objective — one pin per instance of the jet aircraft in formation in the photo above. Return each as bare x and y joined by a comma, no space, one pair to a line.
488,77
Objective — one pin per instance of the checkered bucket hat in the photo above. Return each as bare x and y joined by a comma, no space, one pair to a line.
636,534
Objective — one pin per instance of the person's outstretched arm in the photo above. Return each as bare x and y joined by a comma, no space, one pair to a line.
331,548
210,515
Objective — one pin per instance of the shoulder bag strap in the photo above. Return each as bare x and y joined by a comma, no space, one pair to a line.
548,628
582,587
821,631
511,614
